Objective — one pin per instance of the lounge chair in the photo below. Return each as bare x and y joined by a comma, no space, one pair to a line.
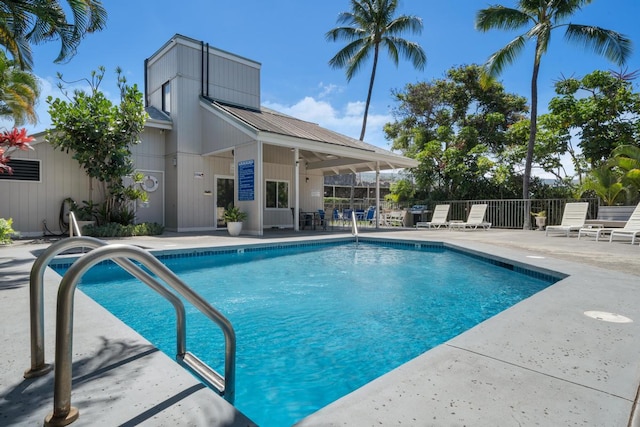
438,219
631,228
573,219
474,220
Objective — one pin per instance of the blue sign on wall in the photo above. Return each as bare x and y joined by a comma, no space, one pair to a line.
246,180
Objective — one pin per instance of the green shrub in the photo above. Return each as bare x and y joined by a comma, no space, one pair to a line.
6,231
114,229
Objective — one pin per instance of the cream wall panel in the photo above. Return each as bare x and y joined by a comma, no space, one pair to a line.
219,135
195,202
150,153
29,203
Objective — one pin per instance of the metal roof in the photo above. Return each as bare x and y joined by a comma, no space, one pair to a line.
324,149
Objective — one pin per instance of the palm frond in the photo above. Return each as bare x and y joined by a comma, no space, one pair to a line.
505,56
502,18
611,44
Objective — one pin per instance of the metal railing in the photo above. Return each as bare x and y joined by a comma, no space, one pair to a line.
509,213
354,226
73,225
63,413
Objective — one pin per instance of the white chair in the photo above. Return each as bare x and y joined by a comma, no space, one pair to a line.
438,219
474,220
573,218
631,228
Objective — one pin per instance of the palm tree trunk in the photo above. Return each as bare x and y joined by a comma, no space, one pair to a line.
532,140
366,105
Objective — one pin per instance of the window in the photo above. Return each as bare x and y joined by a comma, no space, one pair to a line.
166,97
23,170
277,194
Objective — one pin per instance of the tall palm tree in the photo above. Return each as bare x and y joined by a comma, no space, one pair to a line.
26,22
19,91
369,25
539,18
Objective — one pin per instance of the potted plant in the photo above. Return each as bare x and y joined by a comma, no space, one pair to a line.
541,219
234,217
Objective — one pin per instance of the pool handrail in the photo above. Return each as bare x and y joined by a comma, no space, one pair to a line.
63,413
354,225
36,298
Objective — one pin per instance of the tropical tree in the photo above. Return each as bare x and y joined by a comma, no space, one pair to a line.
539,18
458,128
27,22
601,110
19,92
606,182
368,26
627,158
100,134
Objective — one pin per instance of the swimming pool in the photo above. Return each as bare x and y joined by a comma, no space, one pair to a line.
316,321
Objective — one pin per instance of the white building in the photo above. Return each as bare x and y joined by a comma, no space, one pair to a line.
207,143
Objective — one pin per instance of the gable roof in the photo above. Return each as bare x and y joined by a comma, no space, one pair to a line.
322,148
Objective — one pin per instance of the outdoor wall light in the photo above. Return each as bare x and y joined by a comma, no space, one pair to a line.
175,162
306,179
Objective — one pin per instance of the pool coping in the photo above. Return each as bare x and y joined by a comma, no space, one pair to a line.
494,369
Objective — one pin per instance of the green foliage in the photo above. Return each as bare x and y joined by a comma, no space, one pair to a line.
100,134
6,231
459,129
113,229
601,110
25,23
234,214
19,92
627,159
606,182
401,191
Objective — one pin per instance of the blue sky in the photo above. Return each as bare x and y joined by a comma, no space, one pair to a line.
287,38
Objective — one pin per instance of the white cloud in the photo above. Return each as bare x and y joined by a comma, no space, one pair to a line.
329,89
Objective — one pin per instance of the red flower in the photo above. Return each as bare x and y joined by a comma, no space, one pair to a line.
16,139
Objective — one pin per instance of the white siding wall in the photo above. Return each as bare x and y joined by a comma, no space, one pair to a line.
29,203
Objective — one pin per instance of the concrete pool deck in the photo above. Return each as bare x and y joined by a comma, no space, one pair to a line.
541,362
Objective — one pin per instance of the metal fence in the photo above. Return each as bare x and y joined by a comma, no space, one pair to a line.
510,213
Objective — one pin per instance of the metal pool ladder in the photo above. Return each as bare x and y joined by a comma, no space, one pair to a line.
63,413
354,226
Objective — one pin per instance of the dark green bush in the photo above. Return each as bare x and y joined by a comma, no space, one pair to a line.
114,229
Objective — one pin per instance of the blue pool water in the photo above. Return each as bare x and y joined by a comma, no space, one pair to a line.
314,323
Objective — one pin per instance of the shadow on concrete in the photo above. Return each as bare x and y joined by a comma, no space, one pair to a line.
22,399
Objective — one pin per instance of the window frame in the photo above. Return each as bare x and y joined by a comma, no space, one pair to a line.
277,192
166,97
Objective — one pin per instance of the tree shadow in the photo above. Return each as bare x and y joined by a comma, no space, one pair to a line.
22,399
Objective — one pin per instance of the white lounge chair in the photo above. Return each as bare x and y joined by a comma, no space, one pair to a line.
438,219
474,220
573,218
631,228
600,230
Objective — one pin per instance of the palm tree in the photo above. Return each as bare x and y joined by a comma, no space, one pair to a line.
19,91
368,25
627,158
26,22
539,18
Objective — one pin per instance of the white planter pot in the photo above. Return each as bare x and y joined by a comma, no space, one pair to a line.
234,228
540,222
